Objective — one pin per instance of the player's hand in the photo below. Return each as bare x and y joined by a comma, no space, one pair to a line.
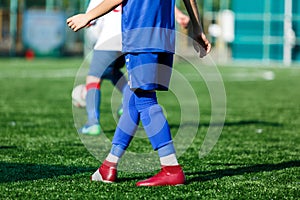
202,44
77,22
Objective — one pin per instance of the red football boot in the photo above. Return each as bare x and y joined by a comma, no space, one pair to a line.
107,173
169,175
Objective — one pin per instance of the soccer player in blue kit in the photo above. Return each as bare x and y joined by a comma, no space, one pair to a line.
148,40
107,61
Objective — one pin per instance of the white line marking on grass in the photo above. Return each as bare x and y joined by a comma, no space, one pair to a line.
262,75
269,75
57,73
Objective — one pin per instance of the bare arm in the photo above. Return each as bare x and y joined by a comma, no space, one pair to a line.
80,21
203,45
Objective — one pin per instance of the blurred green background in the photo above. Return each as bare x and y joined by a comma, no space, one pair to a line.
259,30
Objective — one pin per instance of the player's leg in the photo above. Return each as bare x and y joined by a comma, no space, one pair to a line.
158,132
150,72
125,130
93,100
100,62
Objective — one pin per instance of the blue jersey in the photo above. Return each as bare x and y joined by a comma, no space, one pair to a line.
148,26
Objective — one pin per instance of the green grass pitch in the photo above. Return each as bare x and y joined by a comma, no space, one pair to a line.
42,157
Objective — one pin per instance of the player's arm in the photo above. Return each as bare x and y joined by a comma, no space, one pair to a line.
203,45
80,21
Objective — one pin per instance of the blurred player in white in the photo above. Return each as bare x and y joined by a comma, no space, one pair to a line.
107,60
104,36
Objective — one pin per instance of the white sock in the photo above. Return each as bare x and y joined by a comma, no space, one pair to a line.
169,160
112,158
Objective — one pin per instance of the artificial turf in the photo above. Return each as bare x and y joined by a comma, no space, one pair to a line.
255,157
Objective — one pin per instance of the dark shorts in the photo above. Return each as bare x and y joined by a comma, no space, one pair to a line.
149,71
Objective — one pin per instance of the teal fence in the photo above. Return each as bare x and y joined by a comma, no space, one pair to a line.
259,29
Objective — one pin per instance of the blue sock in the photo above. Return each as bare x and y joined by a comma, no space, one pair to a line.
142,106
153,119
128,121
117,150
166,150
93,99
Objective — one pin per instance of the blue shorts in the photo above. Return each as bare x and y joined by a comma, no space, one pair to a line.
105,62
149,71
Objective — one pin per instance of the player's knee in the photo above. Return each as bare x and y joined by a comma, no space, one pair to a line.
155,110
145,100
153,118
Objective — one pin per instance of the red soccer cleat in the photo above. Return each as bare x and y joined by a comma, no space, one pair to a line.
169,175
107,173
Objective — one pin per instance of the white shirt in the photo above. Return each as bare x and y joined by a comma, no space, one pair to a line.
107,29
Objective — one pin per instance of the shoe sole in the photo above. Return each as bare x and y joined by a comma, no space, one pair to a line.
97,177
